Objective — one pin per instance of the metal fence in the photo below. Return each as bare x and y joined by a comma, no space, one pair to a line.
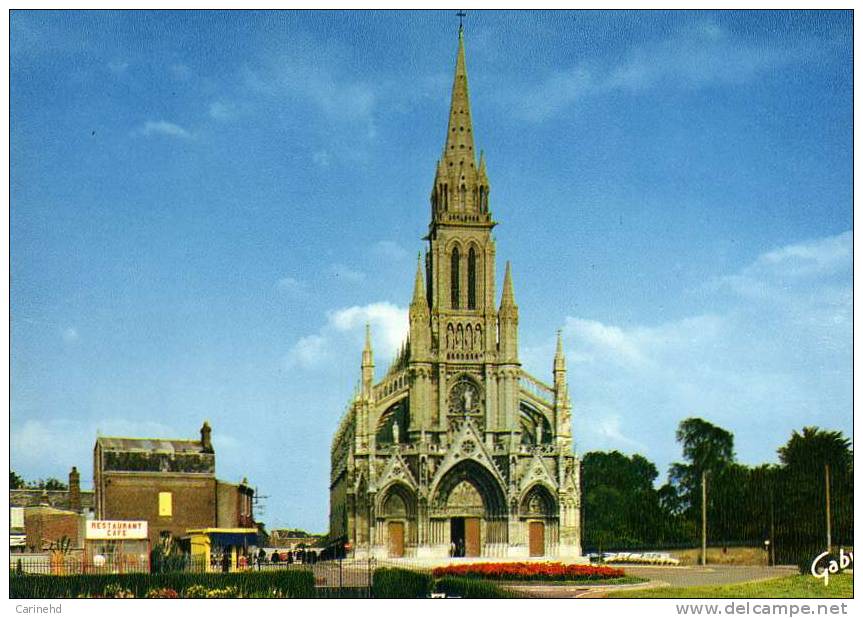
345,578
46,564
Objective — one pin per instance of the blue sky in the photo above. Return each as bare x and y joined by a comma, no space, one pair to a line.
207,207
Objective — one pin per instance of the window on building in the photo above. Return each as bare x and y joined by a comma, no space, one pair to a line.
471,279
454,277
165,504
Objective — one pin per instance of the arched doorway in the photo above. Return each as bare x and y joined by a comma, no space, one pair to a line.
538,513
397,520
468,513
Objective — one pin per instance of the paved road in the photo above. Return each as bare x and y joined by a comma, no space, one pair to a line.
666,576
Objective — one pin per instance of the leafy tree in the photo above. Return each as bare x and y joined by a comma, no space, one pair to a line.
15,481
709,449
801,513
51,484
621,507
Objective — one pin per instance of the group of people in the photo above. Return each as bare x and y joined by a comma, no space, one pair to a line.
305,556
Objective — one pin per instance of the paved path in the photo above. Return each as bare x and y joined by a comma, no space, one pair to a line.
662,577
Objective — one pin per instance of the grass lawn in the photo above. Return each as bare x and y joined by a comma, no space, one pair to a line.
793,587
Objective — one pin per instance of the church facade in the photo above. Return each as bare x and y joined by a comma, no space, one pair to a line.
457,451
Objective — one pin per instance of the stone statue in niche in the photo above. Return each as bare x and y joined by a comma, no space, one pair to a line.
395,432
464,398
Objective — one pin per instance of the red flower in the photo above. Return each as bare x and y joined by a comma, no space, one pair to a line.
529,571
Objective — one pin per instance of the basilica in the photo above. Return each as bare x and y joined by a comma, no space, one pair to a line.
457,451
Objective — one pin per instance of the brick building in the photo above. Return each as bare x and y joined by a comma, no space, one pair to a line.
44,516
169,483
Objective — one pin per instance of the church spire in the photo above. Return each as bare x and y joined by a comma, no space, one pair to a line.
368,366
419,298
368,358
507,299
458,150
559,358
460,192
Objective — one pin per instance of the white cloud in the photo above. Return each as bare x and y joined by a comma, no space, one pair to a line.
321,158
70,335
389,250
51,447
309,351
319,77
292,287
345,273
222,110
162,127
697,57
118,66
389,323
765,364
180,72
345,328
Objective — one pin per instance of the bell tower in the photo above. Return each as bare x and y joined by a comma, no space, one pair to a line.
456,331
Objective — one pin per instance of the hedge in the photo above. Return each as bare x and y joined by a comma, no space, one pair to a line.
298,584
467,588
393,583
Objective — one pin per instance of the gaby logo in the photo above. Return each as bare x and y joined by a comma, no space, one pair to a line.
824,564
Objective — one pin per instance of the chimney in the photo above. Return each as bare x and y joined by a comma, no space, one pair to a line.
75,490
206,443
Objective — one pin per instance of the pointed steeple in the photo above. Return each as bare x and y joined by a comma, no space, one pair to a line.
559,358
507,299
368,366
460,193
458,150
419,299
368,358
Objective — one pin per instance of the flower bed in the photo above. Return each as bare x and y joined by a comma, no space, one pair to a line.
530,571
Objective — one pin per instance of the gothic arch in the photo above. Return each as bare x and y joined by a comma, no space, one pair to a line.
454,278
538,501
396,501
481,478
471,277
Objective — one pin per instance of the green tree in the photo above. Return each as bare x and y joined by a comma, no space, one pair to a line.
50,484
709,449
621,506
801,512
15,481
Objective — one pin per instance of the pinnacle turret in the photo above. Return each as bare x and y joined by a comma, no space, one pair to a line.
419,299
507,299
559,358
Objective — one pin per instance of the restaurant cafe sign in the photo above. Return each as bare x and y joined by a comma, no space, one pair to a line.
115,530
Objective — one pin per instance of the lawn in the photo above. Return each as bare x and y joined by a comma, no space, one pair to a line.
793,587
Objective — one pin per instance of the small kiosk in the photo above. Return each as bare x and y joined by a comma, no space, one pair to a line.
116,546
219,549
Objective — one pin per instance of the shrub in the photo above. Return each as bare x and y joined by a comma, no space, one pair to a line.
467,588
296,584
162,593
117,591
390,583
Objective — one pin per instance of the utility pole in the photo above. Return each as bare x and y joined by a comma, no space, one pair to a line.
827,502
772,534
703,517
